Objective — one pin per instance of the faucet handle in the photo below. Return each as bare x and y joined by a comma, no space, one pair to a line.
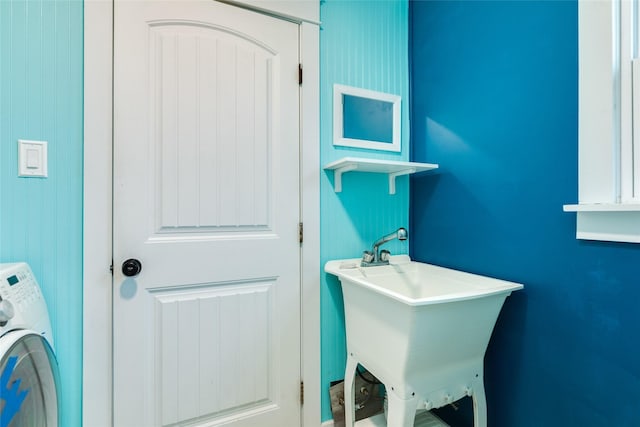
367,256
385,255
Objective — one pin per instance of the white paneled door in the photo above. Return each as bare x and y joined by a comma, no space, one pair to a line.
206,199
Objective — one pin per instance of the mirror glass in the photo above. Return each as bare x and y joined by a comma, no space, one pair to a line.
367,119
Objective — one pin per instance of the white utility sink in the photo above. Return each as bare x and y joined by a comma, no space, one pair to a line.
420,329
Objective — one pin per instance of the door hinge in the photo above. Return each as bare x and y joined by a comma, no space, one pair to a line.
300,74
300,232
111,268
302,392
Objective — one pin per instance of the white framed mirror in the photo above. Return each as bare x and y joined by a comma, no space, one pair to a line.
365,118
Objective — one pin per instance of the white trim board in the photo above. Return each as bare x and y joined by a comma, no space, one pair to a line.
97,223
97,216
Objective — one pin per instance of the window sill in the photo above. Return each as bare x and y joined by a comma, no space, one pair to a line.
609,222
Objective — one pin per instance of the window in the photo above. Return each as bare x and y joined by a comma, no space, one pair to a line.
609,116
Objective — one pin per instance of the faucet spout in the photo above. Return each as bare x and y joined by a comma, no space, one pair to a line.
382,258
400,234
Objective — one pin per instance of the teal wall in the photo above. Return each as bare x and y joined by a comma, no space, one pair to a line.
41,219
362,44
501,117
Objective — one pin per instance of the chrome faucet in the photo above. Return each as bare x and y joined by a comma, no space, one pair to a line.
375,257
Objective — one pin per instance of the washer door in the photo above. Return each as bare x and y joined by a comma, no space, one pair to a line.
28,381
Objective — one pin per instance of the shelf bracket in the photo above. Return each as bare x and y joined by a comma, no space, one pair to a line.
392,178
337,176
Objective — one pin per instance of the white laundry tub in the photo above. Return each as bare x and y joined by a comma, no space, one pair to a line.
420,329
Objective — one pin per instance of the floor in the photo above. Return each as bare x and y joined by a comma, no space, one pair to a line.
423,419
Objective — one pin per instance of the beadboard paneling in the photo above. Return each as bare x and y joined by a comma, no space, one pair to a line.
41,219
362,44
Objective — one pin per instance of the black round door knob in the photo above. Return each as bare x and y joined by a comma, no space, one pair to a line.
131,267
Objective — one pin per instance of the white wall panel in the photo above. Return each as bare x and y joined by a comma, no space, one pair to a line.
212,147
229,331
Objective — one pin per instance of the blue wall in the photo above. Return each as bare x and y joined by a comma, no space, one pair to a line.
362,44
41,219
494,90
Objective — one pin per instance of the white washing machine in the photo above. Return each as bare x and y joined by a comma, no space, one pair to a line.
29,378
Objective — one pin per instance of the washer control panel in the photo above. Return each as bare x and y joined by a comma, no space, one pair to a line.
22,305
18,285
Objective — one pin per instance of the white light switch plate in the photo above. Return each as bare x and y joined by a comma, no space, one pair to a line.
32,158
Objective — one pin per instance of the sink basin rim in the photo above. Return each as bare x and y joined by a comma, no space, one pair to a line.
369,277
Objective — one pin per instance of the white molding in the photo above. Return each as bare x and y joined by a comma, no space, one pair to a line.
97,249
327,423
292,10
609,226
609,222
606,209
310,215
602,207
598,119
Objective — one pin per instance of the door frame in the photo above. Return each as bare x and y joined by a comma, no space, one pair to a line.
97,350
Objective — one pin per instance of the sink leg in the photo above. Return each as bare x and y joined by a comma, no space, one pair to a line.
479,405
401,412
349,395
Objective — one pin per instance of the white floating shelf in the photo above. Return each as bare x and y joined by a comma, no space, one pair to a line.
390,167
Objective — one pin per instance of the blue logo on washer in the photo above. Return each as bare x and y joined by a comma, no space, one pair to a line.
11,395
